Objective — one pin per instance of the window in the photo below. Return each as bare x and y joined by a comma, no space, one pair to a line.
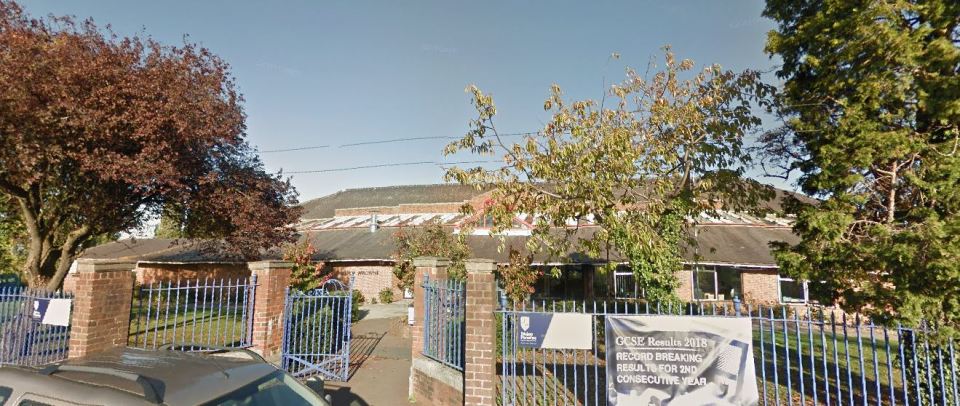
276,389
792,291
5,393
625,284
716,283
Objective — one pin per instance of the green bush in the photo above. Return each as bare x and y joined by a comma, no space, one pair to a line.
358,300
386,296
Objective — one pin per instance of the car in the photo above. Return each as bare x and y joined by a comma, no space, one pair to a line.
131,376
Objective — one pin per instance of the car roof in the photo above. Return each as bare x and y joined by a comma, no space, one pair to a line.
186,378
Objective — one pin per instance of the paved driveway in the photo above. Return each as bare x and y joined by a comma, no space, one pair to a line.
379,359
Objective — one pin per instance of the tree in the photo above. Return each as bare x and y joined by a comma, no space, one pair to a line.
99,132
306,274
11,238
429,240
668,149
871,107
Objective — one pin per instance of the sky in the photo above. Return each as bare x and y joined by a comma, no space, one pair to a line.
329,73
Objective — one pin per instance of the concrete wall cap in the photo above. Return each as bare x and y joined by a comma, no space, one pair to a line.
433,369
479,265
265,265
430,262
88,265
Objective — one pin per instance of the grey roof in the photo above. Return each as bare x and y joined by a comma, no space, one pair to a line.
728,243
731,244
324,207
164,250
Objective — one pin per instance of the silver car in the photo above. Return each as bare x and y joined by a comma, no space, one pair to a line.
141,377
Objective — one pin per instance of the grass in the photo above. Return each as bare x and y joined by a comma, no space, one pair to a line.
219,327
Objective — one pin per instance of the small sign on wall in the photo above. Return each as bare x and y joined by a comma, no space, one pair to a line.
555,330
55,312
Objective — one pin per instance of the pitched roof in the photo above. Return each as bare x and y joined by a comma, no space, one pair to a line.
326,206
728,244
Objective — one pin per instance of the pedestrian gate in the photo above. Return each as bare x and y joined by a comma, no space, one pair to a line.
316,332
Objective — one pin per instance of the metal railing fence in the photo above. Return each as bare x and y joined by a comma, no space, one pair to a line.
24,338
803,355
444,302
317,332
200,312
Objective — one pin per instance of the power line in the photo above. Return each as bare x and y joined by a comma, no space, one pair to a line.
294,149
386,141
388,165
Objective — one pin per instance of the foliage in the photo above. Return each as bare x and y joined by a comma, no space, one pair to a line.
170,225
668,149
357,301
871,107
306,274
99,132
12,239
386,296
518,276
430,240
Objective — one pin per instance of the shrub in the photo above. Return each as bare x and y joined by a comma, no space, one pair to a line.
386,296
358,300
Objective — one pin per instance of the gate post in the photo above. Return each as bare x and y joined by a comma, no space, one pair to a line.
273,278
423,266
102,292
479,371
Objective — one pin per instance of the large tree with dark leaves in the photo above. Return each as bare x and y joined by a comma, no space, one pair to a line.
99,132
872,112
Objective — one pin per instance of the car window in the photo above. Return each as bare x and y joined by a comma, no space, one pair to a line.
29,402
276,389
5,393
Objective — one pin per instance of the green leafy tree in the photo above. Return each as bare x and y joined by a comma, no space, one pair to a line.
665,148
430,240
871,107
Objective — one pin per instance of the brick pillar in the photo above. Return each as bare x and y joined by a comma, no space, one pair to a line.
273,278
432,267
479,371
102,292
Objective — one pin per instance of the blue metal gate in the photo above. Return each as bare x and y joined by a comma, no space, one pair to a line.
316,332
26,338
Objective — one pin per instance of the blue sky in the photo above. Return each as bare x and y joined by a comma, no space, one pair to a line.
338,72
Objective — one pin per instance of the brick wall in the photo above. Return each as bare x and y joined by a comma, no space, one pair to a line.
760,286
413,208
369,278
149,273
273,278
435,384
685,289
101,306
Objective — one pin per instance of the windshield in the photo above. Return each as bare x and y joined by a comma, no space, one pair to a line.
277,388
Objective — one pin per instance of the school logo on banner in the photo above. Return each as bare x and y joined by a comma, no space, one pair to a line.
680,360
555,330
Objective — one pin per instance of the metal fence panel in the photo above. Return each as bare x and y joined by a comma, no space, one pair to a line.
24,339
193,313
316,332
804,355
444,321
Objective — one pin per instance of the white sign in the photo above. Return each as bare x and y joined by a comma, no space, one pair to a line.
555,330
55,312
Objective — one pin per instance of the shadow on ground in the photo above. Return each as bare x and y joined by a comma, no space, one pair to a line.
343,396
